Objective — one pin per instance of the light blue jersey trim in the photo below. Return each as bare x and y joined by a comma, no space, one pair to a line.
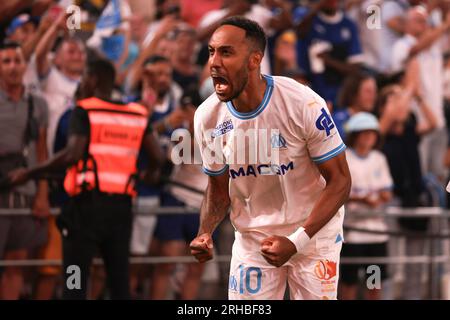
215,173
331,154
260,108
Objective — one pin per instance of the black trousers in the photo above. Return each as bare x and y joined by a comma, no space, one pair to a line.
91,223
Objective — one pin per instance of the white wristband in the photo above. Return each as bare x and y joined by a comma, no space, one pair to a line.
300,238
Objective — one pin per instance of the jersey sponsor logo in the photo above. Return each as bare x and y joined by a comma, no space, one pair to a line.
263,169
325,269
324,122
278,141
222,128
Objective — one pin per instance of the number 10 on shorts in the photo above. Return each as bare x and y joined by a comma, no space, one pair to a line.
245,283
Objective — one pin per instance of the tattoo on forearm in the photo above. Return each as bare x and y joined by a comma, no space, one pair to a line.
214,209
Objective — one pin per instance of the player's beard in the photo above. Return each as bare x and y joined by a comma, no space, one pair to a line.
241,83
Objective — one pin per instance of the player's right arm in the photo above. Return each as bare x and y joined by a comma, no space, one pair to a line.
215,207
216,201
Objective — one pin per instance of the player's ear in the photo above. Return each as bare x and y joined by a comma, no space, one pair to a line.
254,60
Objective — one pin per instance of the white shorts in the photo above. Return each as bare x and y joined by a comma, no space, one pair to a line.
311,275
143,226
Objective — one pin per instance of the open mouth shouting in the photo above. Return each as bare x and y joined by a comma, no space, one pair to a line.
221,84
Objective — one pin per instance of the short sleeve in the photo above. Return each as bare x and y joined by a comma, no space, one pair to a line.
320,132
213,163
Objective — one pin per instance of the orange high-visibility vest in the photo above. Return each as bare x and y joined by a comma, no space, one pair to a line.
116,133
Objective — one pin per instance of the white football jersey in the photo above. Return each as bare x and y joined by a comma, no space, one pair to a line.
269,193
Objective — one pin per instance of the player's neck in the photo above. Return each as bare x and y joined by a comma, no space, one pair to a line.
252,95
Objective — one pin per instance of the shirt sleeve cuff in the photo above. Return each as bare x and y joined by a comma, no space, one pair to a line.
331,154
214,173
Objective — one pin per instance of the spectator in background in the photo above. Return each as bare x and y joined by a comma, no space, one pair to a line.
22,29
175,232
12,8
161,45
185,72
367,16
137,31
23,123
371,189
392,28
29,39
402,132
50,275
393,24
285,55
193,11
61,75
98,215
358,93
328,48
426,45
167,10
161,96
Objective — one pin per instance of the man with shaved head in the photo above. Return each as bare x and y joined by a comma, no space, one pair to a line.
286,208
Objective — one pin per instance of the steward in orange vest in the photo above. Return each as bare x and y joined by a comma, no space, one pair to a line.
104,140
116,133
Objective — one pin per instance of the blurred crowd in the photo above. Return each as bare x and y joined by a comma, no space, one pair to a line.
383,67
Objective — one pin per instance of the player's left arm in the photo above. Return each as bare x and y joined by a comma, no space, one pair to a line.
338,183
325,148
277,250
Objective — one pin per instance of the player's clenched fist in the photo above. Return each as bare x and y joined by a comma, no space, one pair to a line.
202,247
277,250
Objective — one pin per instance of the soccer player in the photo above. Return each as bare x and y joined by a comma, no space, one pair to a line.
287,213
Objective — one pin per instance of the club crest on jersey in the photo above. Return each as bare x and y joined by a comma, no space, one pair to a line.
278,141
223,128
324,122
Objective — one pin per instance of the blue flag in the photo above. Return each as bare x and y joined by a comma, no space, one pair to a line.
110,17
